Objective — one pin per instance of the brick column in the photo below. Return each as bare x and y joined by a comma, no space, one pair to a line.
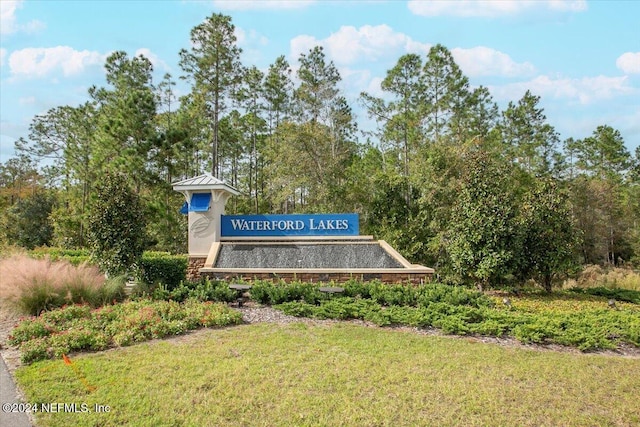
193,268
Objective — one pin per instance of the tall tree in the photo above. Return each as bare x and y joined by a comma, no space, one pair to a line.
400,118
445,92
531,139
310,156
604,154
251,97
599,191
213,65
126,121
66,136
278,92
318,87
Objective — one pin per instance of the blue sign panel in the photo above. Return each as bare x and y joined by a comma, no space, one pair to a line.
290,225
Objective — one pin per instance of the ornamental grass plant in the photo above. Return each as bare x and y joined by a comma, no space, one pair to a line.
594,276
37,285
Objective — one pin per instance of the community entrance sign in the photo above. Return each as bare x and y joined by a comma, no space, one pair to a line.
316,247
290,225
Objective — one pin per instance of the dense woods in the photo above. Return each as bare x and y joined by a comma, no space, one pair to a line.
484,196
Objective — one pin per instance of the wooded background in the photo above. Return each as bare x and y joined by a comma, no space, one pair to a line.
484,196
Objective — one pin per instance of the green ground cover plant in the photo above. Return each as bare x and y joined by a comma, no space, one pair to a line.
626,295
335,375
567,318
204,290
81,328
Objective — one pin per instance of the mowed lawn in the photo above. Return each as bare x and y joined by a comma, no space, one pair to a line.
339,374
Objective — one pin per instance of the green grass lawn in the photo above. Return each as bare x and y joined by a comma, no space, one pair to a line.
334,375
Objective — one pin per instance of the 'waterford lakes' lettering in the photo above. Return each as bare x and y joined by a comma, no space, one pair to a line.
289,225
253,225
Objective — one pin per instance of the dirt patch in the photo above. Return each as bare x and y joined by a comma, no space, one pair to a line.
9,318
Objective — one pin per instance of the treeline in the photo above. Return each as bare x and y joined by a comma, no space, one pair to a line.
483,195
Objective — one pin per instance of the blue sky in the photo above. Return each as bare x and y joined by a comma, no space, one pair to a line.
581,57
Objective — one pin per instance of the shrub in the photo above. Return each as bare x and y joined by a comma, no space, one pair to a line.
162,267
29,330
34,350
205,290
298,309
454,295
266,292
74,256
117,227
356,288
403,295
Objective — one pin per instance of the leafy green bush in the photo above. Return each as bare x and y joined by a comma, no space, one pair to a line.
298,309
162,267
402,295
117,227
267,292
454,295
205,290
356,288
79,328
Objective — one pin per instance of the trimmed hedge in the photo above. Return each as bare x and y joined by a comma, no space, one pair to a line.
156,267
163,268
74,256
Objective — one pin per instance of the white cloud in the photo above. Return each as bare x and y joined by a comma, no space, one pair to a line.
3,54
8,21
252,44
302,44
491,8
155,59
629,62
484,61
585,90
27,100
375,88
261,4
40,62
7,16
252,37
370,43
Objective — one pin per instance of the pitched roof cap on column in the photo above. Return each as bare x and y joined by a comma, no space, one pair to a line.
204,182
